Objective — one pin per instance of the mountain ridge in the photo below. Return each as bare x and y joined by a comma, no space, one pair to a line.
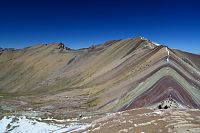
116,75
109,42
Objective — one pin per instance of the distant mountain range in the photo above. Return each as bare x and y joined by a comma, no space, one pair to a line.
117,75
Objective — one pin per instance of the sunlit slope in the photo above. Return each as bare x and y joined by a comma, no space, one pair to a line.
24,70
116,75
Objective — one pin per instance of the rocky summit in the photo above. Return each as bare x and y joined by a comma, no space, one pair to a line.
130,85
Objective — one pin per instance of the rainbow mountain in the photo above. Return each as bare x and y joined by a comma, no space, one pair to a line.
114,76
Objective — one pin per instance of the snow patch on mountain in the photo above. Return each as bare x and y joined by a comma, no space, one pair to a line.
23,124
157,44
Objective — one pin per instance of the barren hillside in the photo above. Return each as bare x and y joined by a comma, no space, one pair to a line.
115,76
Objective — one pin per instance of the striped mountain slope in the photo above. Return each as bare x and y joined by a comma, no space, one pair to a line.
116,75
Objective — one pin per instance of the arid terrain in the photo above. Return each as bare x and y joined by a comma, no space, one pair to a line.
130,85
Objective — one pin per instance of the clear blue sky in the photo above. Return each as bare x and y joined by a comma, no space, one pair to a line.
81,23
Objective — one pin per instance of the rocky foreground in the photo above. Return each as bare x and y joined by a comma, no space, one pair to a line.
148,121
134,120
